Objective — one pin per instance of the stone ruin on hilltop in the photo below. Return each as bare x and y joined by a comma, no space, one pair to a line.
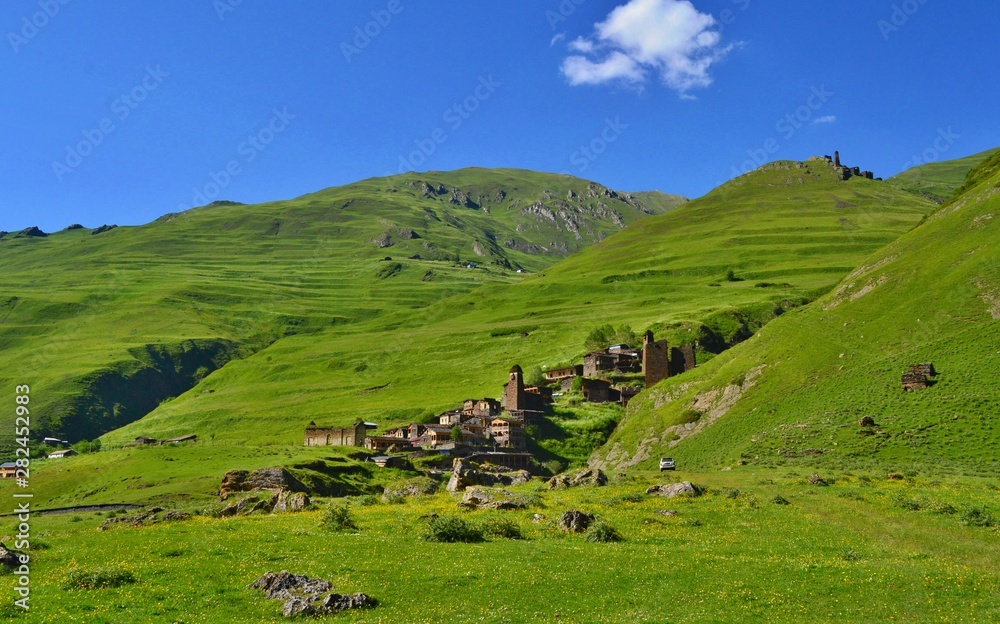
846,173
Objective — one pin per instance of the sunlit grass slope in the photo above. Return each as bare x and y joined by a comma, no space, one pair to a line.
788,231
100,325
938,180
797,391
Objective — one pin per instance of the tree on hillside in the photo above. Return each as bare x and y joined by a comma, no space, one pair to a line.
602,337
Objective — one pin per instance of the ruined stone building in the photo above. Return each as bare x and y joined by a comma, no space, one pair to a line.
450,418
561,374
622,361
918,377
484,408
508,433
519,398
600,391
846,173
655,360
337,436
681,359
381,444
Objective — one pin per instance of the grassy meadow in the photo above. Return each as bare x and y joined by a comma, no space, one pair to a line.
860,549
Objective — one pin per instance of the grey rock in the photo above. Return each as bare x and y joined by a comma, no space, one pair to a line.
591,477
493,498
291,502
466,474
263,479
670,490
575,521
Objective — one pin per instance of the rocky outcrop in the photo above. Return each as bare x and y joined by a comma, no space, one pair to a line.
145,518
588,477
466,474
103,229
575,521
262,479
9,557
32,232
291,502
421,486
670,490
493,498
308,596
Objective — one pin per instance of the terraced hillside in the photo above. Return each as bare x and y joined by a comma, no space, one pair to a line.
938,181
788,232
798,391
106,324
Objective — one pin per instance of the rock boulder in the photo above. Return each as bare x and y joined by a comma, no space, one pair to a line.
575,521
670,490
263,479
591,477
466,474
307,596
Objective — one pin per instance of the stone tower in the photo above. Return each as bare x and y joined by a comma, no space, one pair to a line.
655,362
513,393
836,159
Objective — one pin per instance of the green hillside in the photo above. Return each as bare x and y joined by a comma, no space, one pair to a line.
938,181
787,241
105,325
797,391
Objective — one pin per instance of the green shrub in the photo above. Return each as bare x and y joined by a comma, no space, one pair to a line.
690,416
87,446
944,509
908,504
636,497
850,555
338,518
451,529
978,517
780,500
602,532
389,270
731,492
502,527
97,578
691,522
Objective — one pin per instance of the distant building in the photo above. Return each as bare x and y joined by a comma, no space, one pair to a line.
8,470
188,438
337,436
559,374
508,433
61,454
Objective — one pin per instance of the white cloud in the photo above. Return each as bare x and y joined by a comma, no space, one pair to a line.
557,39
617,66
828,119
582,45
668,37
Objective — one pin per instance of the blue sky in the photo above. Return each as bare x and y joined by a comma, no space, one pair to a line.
121,112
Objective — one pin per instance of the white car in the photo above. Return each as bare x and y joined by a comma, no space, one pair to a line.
667,463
